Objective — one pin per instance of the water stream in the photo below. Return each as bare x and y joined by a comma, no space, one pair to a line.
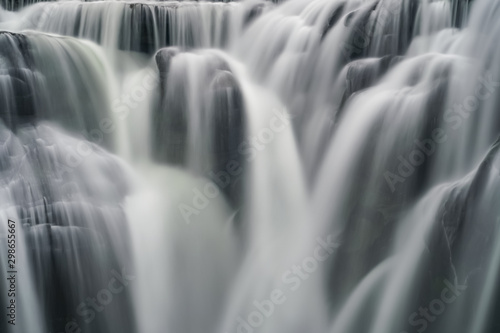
250,166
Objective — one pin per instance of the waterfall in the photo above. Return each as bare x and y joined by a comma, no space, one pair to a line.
249,166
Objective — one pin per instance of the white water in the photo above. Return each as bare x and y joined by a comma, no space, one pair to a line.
316,106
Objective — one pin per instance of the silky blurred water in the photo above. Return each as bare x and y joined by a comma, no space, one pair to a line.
250,166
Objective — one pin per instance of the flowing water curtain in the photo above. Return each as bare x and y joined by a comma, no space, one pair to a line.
405,133
311,42
38,69
18,80
197,128
142,27
69,245
19,4
408,181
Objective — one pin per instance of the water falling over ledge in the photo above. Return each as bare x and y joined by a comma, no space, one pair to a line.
249,166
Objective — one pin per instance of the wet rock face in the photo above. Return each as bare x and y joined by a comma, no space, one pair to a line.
462,241
255,12
18,82
362,74
142,38
377,29
14,49
19,4
68,239
15,4
148,27
170,119
143,27
163,60
228,123
334,19
214,128
17,91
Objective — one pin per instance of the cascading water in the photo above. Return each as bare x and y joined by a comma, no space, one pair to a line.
251,166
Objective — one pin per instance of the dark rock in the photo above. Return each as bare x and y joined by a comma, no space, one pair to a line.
228,123
219,114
